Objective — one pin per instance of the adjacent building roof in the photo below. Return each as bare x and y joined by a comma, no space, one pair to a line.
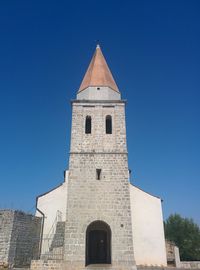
98,73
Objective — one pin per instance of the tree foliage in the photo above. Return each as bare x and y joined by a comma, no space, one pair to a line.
185,234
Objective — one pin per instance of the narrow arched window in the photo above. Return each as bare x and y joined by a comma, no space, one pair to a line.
88,124
108,124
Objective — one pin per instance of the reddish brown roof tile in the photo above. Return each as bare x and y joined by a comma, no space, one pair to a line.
98,73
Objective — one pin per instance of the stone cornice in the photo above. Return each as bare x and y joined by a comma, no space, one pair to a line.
114,153
98,101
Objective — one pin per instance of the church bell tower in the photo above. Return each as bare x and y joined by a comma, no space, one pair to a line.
98,231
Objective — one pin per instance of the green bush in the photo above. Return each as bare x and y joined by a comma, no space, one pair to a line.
185,234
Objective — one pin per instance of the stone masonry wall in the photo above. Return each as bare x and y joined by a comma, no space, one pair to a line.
26,235
58,265
19,237
98,141
190,265
142,267
6,224
107,199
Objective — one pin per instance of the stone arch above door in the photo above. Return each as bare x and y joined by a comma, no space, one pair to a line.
98,243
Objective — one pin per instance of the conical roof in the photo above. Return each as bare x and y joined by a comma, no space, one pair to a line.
98,73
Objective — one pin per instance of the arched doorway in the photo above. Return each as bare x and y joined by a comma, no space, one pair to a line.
98,243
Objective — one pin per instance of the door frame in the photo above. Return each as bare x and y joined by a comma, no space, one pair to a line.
98,225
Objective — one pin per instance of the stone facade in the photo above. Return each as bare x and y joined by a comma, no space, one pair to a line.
171,255
98,228
6,225
107,199
148,241
19,237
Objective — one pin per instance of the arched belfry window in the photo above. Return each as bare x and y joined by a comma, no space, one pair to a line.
98,243
108,124
88,124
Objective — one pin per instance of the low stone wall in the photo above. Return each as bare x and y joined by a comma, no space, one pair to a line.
142,267
63,265
46,265
59,265
190,265
19,237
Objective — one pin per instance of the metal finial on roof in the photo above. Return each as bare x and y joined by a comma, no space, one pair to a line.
97,42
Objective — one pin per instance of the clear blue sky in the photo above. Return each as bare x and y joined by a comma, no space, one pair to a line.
153,50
